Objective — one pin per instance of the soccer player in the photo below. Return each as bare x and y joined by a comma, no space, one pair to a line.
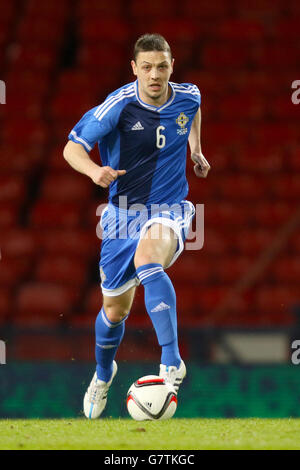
142,130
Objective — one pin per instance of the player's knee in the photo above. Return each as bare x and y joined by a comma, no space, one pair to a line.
141,259
114,311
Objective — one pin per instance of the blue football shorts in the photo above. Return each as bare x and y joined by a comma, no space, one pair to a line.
122,231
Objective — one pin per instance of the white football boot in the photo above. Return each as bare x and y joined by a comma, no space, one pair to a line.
173,375
96,395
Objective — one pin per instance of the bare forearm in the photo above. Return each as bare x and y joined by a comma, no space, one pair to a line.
79,159
195,134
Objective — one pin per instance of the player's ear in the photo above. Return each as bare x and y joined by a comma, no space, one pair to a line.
134,68
172,65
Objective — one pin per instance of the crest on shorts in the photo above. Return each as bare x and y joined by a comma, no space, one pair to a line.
102,275
182,121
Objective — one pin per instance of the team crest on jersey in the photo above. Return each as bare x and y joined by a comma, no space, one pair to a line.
182,121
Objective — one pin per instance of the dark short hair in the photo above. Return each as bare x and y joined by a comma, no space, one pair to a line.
151,42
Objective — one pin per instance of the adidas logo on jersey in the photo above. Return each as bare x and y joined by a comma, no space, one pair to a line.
137,127
160,307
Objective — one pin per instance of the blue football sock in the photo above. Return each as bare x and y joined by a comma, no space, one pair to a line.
108,338
160,301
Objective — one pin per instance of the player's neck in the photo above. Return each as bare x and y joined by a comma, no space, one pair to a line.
155,102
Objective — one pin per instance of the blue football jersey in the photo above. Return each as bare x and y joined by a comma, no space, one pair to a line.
149,142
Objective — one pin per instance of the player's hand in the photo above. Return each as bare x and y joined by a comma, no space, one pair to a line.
201,167
105,175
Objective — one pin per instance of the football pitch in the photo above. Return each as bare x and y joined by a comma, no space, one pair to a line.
126,434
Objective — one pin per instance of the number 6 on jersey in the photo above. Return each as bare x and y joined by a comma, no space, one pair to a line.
160,138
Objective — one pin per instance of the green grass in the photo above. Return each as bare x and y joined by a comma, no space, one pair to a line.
113,434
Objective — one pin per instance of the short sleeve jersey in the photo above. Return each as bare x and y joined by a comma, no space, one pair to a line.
149,142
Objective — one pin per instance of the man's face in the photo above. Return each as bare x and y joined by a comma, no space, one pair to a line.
153,70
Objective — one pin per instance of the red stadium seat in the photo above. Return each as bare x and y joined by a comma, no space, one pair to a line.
276,133
14,270
154,9
223,133
219,157
62,126
68,241
227,214
210,298
56,215
113,30
201,189
177,30
18,243
206,10
187,302
13,188
275,56
223,56
18,83
29,104
217,242
71,105
83,321
37,56
207,81
232,268
93,301
286,270
193,269
262,81
293,7
243,187
47,9
20,159
294,159
282,108
242,106
41,29
270,214
287,29
66,187
259,158
6,304
78,79
239,30
42,303
286,187
56,161
95,55
279,299
69,271
30,131
252,242
262,9
9,214
294,243
101,9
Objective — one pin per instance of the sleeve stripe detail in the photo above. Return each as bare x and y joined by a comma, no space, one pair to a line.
122,94
113,104
86,145
193,89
